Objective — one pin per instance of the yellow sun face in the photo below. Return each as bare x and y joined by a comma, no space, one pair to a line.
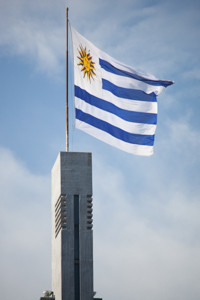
86,63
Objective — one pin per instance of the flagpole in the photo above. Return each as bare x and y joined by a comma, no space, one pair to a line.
67,113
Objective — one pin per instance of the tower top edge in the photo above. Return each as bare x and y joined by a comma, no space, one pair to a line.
73,153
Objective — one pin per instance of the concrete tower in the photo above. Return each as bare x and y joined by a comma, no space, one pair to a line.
72,235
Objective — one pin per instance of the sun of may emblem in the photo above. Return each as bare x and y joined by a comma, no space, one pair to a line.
86,63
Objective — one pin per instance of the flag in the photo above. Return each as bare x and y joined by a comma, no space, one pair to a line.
113,102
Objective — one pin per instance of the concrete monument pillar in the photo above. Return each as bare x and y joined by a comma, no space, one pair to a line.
72,234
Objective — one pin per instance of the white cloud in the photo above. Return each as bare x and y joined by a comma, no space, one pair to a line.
146,211
145,246
143,241
25,230
47,47
192,73
157,38
33,31
181,139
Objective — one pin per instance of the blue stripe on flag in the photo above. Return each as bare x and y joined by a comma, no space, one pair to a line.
131,116
128,93
110,68
118,133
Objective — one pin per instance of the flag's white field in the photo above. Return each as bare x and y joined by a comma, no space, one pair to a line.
114,102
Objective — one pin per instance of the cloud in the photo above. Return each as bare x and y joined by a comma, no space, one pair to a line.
180,139
25,230
139,29
192,73
44,46
146,245
144,240
146,220
32,30
146,210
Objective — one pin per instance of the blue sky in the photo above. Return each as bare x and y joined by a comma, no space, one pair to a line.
146,209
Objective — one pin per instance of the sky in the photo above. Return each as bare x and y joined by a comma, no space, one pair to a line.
146,209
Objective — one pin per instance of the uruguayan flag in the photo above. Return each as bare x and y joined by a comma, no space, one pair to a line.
113,102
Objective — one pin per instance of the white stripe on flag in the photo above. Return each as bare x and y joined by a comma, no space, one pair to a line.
131,83
132,105
109,139
137,128
127,104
